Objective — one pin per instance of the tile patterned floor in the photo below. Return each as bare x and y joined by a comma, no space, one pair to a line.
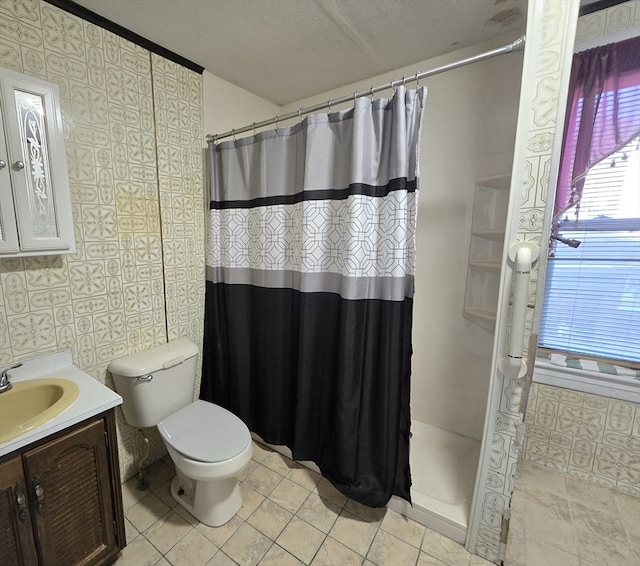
290,516
558,519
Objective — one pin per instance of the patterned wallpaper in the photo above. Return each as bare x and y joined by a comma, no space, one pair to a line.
134,135
593,437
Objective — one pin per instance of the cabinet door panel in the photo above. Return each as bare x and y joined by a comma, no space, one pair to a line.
8,231
16,538
71,497
37,164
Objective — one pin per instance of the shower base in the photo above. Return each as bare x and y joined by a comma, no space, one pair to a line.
443,470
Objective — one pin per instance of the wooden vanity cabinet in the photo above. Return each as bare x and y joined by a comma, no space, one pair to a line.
61,501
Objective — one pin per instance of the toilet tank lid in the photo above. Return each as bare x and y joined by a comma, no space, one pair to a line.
155,359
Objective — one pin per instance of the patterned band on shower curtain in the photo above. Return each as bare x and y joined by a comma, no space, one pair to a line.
310,267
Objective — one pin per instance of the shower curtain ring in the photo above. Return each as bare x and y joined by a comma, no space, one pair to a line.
233,135
277,123
404,82
253,128
371,93
417,81
300,114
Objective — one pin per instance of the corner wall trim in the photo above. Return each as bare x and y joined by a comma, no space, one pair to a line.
88,15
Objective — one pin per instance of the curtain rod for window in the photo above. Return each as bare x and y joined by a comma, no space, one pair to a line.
517,45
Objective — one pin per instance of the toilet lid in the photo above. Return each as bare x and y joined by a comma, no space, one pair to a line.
205,432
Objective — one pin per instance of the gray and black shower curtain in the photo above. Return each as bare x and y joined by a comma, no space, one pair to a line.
310,278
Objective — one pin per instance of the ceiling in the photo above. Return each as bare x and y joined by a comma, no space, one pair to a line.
287,50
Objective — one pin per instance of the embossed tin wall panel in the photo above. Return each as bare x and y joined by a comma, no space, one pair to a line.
136,193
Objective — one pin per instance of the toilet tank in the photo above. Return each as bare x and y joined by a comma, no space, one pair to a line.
155,383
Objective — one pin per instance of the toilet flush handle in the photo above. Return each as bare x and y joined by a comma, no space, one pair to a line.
146,377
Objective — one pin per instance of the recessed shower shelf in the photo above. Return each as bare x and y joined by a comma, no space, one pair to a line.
485,249
491,266
494,234
486,319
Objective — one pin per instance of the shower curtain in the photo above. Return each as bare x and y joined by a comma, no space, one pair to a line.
310,267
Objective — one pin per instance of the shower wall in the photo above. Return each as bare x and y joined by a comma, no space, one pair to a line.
468,131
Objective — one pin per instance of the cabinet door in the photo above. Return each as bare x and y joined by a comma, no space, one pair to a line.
8,231
16,538
71,497
37,163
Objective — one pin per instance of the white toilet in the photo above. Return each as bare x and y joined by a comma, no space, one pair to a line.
209,445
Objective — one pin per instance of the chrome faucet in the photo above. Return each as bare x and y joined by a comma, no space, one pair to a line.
5,384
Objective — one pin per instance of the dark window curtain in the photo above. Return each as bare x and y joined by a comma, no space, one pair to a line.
310,265
603,115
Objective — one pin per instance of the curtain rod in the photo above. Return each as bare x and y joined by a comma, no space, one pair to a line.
517,45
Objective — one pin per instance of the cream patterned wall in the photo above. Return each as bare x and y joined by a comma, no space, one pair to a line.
133,135
589,436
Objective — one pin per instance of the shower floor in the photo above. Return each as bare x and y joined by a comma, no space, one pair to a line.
443,471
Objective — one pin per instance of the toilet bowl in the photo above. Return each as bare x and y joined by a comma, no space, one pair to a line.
209,445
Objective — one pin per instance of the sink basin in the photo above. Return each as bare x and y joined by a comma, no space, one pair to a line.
33,402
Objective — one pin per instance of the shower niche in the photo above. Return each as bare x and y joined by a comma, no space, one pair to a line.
490,205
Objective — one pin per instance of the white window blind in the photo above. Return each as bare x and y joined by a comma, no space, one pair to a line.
592,292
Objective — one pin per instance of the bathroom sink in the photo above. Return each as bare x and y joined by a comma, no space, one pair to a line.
33,402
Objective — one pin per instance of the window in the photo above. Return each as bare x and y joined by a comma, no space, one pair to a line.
592,292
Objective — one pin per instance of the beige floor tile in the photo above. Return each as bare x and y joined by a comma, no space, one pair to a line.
388,550
263,480
369,514
540,477
131,494
403,528
220,535
537,552
445,549
333,553
597,523
252,465
158,474
140,552
325,489
354,532
130,531
278,463
146,512
270,519
167,531
304,476
260,452
548,517
162,562
221,559
479,561
301,539
278,556
193,550
289,495
319,512
163,492
251,500
247,546
591,494
188,517
427,560
602,550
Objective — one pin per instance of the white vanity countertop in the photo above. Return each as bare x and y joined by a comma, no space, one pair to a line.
94,397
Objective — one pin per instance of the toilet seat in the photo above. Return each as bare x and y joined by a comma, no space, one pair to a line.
205,432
